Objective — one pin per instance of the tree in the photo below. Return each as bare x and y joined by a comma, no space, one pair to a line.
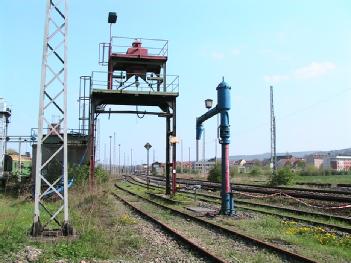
284,176
310,170
215,174
255,170
11,151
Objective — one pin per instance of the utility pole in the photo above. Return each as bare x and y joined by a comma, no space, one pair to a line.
19,160
124,162
131,161
119,159
114,152
181,156
110,155
273,135
189,161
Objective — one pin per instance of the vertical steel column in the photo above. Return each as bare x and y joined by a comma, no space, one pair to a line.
19,159
174,149
227,202
52,100
223,98
168,187
92,148
273,135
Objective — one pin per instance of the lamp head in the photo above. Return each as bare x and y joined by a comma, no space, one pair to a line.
112,17
208,103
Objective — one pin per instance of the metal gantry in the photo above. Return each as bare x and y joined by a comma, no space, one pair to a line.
52,102
136,76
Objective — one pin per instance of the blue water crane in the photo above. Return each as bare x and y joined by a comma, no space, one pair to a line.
222,108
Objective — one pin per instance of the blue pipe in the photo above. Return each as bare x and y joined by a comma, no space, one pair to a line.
222,108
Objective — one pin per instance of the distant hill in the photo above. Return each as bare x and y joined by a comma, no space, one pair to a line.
296,154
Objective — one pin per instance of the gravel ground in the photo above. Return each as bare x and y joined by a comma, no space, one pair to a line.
158,246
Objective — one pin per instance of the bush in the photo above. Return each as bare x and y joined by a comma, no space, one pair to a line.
284,176
311,170
255,171
233,171
80,173
215,174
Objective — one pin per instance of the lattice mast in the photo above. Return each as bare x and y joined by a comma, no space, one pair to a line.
52,102
273,134
5,114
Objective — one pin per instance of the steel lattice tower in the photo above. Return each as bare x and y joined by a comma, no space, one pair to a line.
273,135
52,102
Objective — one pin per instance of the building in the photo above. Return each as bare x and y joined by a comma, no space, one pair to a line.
250,164
240,165
338,163
157,168
207,165
316,160
289,161
77,153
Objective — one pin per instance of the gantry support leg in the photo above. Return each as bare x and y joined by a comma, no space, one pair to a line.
174,150
168,187
92,149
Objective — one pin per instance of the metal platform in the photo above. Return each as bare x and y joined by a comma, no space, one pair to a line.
131,97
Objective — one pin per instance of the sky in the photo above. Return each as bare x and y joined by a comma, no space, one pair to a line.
302,48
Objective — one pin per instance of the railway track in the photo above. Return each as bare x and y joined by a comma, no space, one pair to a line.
320,185
193,246
246,205
317,194
343,191
284,254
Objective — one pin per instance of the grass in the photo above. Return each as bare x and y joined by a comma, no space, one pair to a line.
329,179
264,179
102,233
319,245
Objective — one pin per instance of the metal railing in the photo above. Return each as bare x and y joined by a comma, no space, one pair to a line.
131,82
120,45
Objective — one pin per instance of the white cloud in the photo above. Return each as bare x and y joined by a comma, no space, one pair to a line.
314,70
216,55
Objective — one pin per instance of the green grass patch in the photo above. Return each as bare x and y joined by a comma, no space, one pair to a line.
327,179
101,233
313,242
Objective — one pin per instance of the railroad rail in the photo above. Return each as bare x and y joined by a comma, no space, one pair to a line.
196,248
216,200
297,192
321,185
221,229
